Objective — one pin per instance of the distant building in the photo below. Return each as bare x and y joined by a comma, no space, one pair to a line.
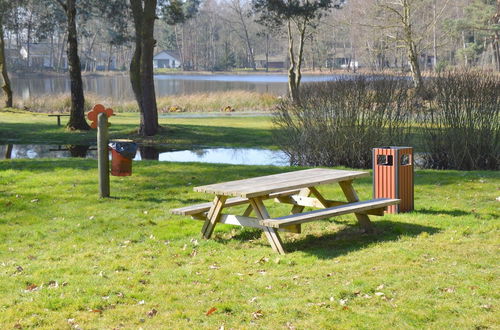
166,59
273,61
42,55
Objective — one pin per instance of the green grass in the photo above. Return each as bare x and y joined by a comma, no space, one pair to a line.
103,264
20,127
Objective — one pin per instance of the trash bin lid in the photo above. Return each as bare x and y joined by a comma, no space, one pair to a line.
126,148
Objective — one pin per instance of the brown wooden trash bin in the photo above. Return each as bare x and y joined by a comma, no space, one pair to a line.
393,176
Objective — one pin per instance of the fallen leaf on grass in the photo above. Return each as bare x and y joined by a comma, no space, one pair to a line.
19,269
35,200
96,311
252,300
486,306
214,266
31,287
258,314
211,311
380,287
379,294
152,312
262,260
343,302
448,290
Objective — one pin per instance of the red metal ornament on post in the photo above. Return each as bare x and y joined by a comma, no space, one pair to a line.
393,176
96,110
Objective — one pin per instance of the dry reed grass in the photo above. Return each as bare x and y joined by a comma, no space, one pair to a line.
200,102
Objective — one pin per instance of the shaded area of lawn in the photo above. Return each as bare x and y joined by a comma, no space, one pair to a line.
173,134
65,254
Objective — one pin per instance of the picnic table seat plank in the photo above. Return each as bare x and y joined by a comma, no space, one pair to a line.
259,186
235,201
355,207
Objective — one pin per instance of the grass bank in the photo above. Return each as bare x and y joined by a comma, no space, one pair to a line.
198,102
22,127
68,259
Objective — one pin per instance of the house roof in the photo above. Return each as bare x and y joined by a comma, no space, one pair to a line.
172,53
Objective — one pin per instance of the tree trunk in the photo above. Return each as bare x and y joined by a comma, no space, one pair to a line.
292,86
77,115
6,87
411,49
141,66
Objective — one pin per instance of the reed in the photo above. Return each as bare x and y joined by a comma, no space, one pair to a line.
199,102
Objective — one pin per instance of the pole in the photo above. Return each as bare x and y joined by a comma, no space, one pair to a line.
102,155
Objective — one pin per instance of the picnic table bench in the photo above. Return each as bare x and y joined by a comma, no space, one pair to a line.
59,115
297,188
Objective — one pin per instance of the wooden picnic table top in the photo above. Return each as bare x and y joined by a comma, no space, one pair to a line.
263,185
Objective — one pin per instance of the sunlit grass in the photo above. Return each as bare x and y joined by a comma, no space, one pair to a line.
68,259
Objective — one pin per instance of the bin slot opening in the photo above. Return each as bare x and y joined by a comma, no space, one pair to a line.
405,160
384,160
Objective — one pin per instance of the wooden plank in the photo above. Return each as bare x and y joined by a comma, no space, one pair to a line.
259,186
213,216
329,212
271,233
318,195
305,192
352,196
235,201
313,202
238,220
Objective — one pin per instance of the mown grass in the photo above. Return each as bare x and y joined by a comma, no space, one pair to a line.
22,127
68,259
238,100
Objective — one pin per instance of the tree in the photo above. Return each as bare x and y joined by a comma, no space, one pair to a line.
177,12
5,6
77,112
297,16
141,66
482,22
403,17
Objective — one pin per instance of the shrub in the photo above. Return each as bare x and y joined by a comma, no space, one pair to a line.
462,123
337,123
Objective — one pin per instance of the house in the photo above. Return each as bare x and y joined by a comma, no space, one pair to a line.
42,55
166,59
273,61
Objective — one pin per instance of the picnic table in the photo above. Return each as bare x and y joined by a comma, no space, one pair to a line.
297,188
59,115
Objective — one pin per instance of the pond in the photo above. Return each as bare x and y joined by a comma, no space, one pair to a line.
235,156
117,87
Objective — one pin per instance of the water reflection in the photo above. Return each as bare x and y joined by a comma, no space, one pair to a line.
236,156
117,87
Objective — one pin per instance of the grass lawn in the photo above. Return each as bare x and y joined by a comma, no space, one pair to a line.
21,127
68,259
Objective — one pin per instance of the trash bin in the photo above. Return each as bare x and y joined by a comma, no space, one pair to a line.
393,176
122,153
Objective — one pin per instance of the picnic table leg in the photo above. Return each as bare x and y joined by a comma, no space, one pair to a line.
213,216
271,233
352,197
58,120
298,208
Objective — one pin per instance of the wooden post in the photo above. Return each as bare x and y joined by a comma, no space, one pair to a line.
102,155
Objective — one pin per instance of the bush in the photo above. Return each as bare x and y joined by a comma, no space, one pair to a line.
462,123
338,123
